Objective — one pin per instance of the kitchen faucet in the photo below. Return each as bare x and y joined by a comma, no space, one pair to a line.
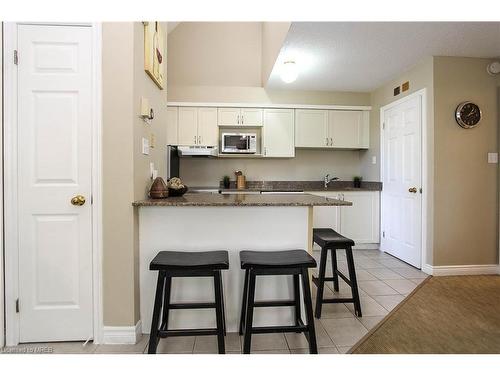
328,180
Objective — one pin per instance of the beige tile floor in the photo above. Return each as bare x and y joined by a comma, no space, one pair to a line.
384,281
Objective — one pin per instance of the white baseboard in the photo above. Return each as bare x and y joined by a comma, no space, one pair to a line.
478,269
122,335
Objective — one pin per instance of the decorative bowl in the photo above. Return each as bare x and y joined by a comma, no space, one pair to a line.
177,192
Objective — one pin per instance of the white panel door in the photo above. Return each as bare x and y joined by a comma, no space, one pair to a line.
54,125
279,133
402,180
188,126
172,126
311,128
229,116
345,128
360,222
251,117
208,131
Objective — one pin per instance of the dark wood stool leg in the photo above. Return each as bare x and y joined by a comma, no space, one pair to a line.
321,282
334,270
218,312
354,281
313,347
244,303
153,337
166,302
247,342
223,303
296,296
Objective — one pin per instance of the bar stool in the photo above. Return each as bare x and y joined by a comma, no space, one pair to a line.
187,264
290,262
328,239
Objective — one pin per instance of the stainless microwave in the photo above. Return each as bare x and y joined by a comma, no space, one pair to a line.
239,143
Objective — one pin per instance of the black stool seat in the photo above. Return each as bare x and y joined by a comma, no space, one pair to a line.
276,259
327,236
213,260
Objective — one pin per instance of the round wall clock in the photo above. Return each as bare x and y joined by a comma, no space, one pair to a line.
468,115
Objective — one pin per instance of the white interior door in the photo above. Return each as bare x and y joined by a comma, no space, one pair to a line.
54,154
402,181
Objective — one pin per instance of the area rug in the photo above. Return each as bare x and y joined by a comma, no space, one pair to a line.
453,314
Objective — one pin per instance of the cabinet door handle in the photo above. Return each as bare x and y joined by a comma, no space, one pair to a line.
326,139
238,119
242,120
199,139
331,141
195,139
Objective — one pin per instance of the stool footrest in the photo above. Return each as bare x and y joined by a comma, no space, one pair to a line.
338,300
280,329
192,305
187,332
275,303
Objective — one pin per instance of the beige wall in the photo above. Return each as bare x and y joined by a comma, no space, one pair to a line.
118,174
215,53
466,186
462,220
125,169
273,37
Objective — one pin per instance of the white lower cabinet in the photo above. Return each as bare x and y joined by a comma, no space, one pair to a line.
360,222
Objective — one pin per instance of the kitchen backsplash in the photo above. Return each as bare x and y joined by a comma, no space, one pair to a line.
308,165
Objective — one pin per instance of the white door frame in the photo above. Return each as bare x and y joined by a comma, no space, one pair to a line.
426,193
11,192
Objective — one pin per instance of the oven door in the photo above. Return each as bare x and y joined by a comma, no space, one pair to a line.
235,143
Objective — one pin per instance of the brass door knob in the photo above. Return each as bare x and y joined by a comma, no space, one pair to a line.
412,190
78,200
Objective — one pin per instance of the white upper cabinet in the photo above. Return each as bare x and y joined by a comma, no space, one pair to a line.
278,133
311,128
331,129
240,116
197,126
251,116
228,116
188,126
348,129
208,131
172,126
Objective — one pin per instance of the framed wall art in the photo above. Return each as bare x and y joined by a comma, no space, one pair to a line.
154,52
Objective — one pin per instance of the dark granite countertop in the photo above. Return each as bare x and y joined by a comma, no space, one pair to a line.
265,200
290,186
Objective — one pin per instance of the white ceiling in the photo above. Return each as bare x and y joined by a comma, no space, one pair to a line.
356,56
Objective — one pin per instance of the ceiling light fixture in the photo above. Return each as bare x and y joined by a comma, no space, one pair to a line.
289,72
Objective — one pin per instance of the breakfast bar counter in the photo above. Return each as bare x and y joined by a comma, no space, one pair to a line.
234,222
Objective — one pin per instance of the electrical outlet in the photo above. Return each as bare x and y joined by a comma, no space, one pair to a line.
152,140
492,157
374,160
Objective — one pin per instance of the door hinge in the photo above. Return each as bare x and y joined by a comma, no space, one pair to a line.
383,234
383,125
91,199
16,57
17,305
420,190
